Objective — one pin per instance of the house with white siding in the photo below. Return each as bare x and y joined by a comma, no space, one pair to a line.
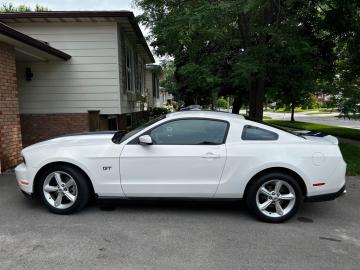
71,71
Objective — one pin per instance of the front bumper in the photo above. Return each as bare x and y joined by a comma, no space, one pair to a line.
326,197
28,195
22,173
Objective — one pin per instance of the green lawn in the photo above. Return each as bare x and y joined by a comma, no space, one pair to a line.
318,112
299,109
349,133
351,154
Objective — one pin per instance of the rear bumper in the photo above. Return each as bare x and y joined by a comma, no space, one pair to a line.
326,197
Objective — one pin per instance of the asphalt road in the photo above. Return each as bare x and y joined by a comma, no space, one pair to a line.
177,235
325,119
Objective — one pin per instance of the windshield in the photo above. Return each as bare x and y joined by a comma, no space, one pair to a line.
143,126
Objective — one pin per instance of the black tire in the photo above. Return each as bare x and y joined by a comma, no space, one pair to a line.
83,189
251,194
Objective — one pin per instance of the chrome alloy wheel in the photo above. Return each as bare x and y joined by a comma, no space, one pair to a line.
60,190
275,198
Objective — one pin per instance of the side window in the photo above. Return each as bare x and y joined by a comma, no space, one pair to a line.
190,132
255,133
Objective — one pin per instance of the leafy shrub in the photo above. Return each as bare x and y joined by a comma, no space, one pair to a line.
311,103
158,111
222,103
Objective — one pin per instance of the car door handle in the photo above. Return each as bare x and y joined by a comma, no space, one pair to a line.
210,155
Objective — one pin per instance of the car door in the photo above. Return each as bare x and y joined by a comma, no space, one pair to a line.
186,159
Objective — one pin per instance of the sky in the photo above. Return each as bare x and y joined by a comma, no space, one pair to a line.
83,5
79,4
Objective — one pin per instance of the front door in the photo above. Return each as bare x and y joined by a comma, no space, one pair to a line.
186,159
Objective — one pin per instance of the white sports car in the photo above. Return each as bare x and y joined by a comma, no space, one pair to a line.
189,154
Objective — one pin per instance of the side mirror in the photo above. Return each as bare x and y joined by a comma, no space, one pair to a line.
145,140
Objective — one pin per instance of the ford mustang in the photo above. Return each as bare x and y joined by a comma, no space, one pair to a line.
187,155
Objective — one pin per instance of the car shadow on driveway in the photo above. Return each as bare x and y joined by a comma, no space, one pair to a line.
227,207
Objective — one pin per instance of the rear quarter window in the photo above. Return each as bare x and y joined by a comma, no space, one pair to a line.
252,133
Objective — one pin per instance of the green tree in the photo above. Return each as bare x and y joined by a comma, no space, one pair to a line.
295,67
341,21
167,81
9,7
288,49
195,73
168,77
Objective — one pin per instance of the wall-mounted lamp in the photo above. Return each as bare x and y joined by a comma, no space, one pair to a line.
28,74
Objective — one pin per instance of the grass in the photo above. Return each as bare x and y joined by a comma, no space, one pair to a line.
265,117
349,133
318,112
299,109
351,155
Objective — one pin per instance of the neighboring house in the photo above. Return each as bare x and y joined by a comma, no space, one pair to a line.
65,72
152,76
157,97
165,97
323,99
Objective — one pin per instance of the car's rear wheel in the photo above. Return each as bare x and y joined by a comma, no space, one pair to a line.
274,197
63,189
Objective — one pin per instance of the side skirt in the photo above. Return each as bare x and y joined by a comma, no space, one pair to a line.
106,199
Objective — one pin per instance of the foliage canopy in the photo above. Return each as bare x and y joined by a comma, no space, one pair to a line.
252,49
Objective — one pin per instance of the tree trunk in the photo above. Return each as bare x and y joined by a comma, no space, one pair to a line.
292,112
256,100
237,104
260,99
256,94
188,100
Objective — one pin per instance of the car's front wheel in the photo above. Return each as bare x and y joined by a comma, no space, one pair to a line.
63,189
274,197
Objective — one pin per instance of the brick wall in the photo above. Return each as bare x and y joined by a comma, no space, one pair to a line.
40,127
10,132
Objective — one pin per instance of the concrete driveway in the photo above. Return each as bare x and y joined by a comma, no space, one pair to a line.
177,236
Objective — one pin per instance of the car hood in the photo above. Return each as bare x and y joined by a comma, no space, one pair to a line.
86,138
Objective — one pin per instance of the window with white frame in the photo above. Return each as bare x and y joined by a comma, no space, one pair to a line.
129,62
143,78
154,85
140,84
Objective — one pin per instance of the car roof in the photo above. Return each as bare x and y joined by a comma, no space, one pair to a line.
204,114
